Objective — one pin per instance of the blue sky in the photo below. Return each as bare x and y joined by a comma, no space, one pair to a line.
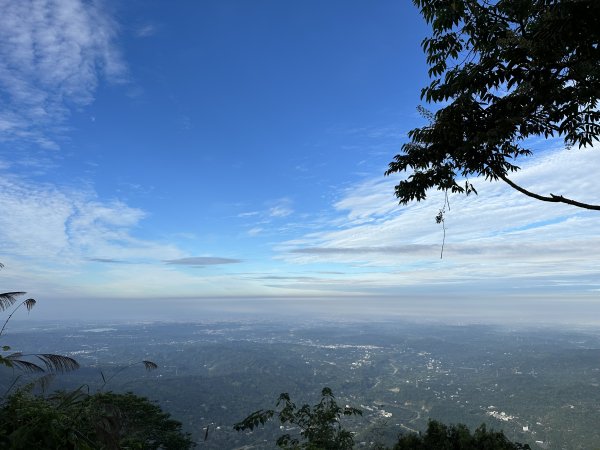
232,149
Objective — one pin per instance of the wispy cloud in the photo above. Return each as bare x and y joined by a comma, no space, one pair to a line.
52,54
498,235
248,214
255,231
394,132
145,30
201,261
281,208
272,218
57,227
106,260
68,243
286,278
395,250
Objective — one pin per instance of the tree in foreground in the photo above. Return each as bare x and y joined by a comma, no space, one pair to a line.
76,420
320,428
320,425
456,437
504,71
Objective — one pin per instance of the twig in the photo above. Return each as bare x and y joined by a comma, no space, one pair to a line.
440,218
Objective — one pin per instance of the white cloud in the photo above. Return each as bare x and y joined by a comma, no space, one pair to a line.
62,243
268,221
373,199
52,53
58,227
146,30
248,214
255,231
282,208
68,243
498,235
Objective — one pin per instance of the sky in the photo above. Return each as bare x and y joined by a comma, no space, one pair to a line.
179,152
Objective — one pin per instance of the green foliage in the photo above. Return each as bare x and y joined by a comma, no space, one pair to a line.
504,71
320,425
456,437
76,420
36,362
148,365
141,423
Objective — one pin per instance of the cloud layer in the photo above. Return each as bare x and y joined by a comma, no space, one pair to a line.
201,261
496,236
42,221
51,56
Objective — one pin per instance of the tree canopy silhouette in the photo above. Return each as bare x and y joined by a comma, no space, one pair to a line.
319,425
505,71
77,420
457,437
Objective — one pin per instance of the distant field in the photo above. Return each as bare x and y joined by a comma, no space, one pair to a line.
535,384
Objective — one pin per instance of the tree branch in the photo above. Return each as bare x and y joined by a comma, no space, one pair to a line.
551,198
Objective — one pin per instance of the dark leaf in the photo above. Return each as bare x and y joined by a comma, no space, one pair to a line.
29,304
7,299
519,78
149,365
58,363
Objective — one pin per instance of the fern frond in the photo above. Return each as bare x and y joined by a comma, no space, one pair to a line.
52,363
29,304
149,365
15,360
58,363
7,299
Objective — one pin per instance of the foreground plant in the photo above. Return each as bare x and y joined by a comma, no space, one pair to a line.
78,420
320,425
29,362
